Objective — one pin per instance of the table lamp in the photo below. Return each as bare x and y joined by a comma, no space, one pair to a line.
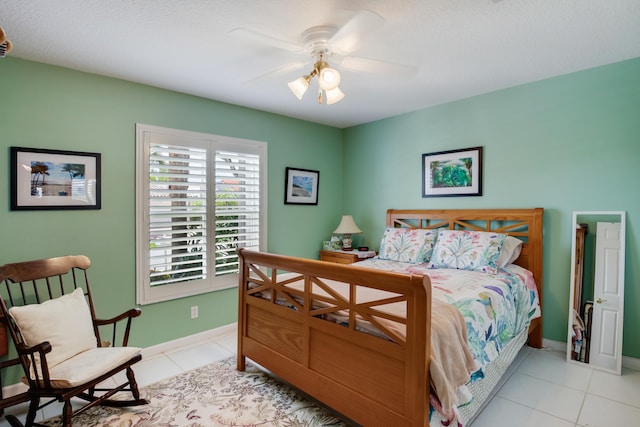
346,228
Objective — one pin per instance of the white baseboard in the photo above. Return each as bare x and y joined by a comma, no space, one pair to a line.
155,350
631,363
627,362
554,345
164,347
14,389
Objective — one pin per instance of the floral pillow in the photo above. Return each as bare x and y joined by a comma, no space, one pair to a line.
467,250
412,245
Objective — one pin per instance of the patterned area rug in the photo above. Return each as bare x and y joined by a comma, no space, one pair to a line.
214,395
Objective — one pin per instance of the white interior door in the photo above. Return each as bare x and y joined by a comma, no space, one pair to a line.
608,298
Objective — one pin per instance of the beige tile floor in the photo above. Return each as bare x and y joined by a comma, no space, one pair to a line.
541,389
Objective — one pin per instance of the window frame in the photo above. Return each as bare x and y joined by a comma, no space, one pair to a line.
148,134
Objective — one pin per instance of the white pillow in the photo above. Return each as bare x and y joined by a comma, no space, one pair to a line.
65,322
511,248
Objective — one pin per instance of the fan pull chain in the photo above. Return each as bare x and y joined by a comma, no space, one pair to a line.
319,96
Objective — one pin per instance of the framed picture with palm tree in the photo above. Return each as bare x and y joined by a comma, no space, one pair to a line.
452,173
54,179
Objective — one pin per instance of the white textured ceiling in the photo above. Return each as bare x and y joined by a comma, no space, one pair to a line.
460,48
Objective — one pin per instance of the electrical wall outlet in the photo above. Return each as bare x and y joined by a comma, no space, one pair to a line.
194,312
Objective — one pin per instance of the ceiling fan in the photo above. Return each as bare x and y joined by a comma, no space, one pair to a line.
324,43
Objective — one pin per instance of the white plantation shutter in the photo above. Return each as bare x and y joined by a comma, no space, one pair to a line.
177,213
199,198
237,209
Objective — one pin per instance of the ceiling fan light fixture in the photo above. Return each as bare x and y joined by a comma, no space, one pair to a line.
329,78
334,95
299,86
328,82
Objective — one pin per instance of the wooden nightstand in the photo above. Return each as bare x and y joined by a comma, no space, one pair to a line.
344,257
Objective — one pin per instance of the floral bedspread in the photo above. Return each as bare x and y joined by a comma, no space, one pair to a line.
496,307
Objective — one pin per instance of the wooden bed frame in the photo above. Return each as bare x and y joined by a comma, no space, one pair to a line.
369,379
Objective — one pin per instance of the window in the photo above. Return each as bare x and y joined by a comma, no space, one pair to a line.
199,197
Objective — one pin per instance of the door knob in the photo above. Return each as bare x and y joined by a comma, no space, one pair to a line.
600,300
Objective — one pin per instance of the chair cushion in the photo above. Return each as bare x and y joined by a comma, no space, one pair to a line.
65,322
89,364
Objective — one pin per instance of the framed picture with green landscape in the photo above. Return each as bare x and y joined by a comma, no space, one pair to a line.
452,173
301,186
54,179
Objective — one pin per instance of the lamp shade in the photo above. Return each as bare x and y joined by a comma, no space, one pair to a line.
347,226
334,95
328,78
299,86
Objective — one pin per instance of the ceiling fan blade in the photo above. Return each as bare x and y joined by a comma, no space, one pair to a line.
354,63
264,39
347,38
279,71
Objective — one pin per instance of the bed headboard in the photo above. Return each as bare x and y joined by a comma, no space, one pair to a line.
525,224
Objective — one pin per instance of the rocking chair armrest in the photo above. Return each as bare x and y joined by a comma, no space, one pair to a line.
113,323
129,314
42,348
34,362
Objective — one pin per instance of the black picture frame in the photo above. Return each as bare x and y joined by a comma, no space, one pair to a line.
301,186
452,173
43,179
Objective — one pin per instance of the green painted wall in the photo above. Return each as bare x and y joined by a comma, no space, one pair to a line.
564,144
44,106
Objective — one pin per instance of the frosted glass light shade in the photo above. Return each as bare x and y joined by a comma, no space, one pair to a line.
334,95
299,86
347,226
329,78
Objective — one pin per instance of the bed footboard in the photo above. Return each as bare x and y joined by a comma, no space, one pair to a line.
293,322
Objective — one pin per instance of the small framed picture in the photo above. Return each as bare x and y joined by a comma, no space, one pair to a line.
53,179
452,173
301,186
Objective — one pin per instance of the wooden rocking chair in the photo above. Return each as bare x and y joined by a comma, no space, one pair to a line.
48,308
